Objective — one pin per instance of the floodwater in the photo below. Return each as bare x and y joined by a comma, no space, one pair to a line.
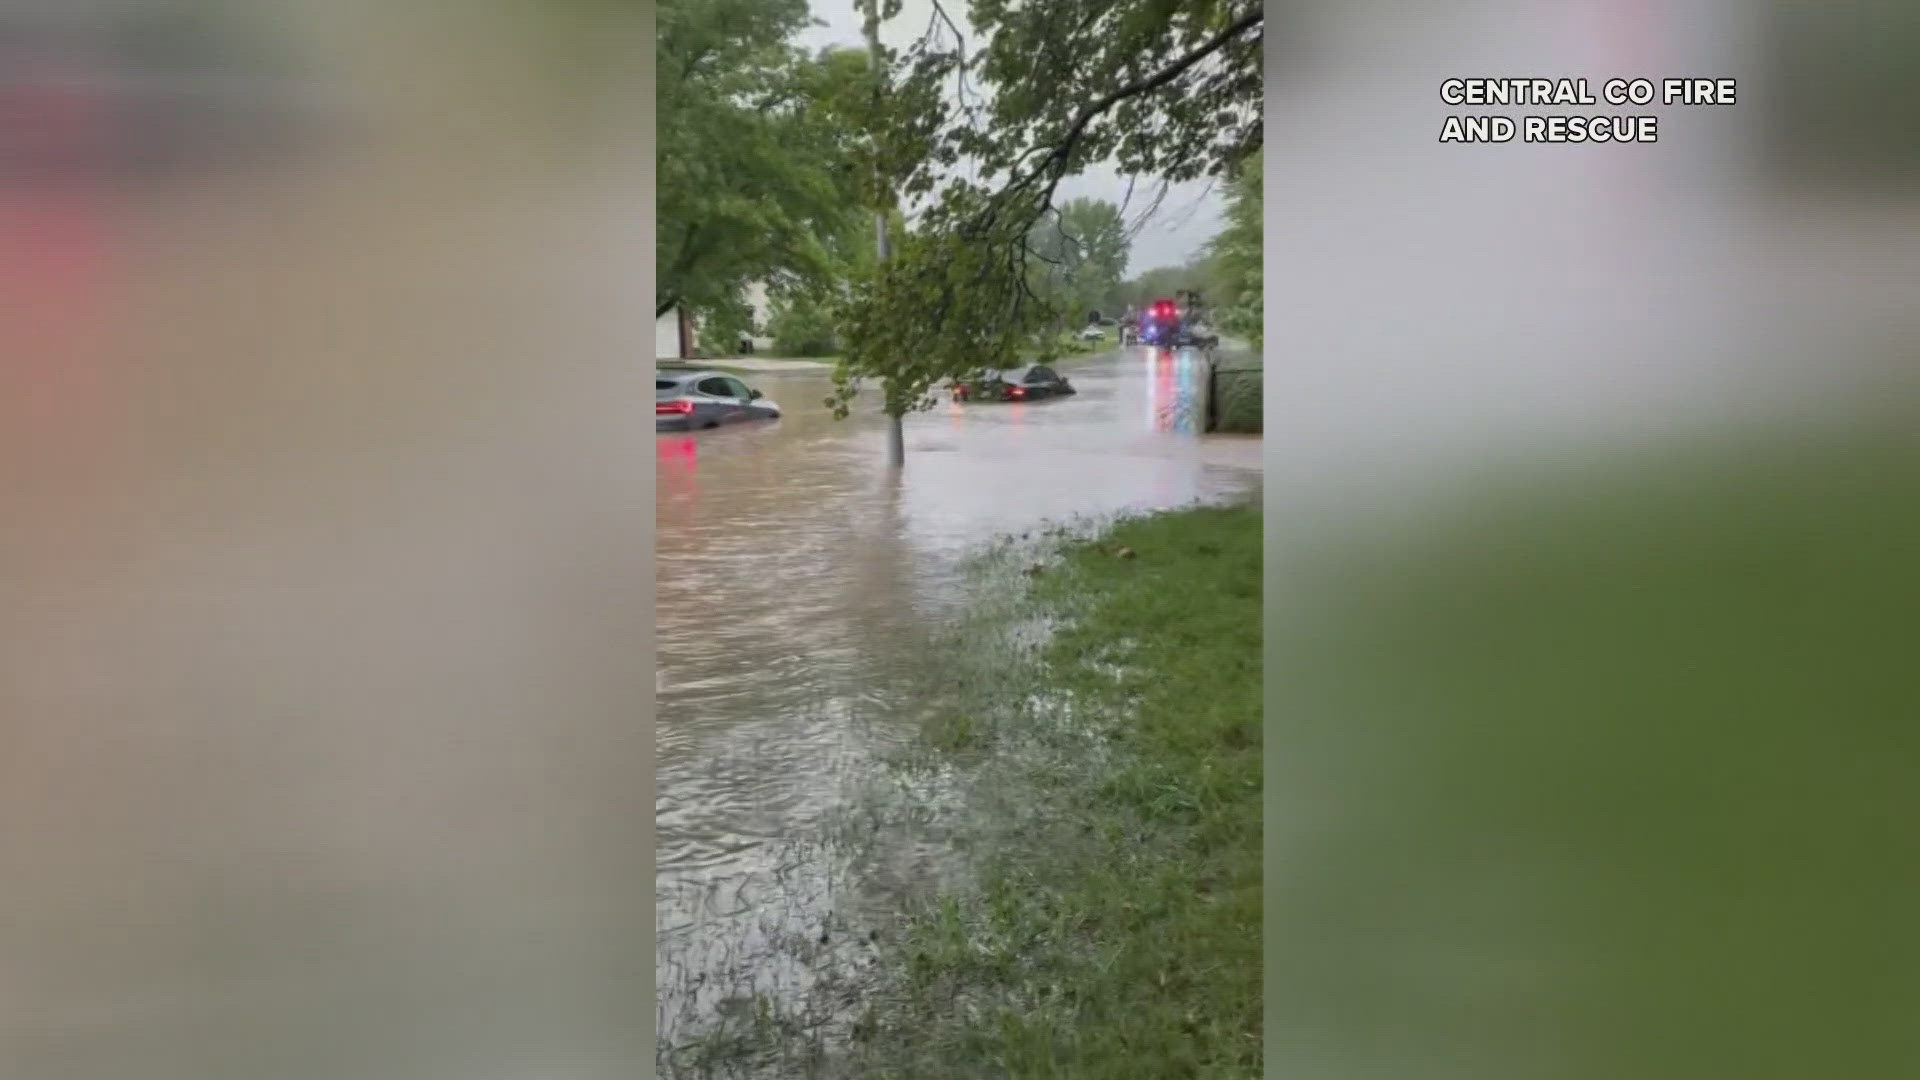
798,580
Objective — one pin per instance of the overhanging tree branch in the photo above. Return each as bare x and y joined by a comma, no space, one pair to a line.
1055,156
987,268
960,51
1064,146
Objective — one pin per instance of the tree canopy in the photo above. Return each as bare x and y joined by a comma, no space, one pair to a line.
1235,256
1081,254
759,153
1163,89
1164,281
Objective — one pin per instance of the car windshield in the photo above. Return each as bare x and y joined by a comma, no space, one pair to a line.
1042,373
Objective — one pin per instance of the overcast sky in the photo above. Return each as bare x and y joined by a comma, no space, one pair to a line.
1188,216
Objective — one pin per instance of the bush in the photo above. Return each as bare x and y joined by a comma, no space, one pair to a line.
804,329
1236,401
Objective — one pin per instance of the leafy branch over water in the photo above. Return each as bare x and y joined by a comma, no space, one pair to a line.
1164,90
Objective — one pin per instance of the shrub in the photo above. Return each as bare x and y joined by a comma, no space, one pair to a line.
1236,401
803,329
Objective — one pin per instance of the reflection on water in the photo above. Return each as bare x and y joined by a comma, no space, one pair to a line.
678,474
796,580
1178,378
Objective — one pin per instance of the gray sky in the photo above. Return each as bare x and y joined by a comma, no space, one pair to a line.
1188,216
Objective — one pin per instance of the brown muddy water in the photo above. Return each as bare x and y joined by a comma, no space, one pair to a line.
800,582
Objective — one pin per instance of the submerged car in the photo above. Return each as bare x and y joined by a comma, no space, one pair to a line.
689,400
1013,384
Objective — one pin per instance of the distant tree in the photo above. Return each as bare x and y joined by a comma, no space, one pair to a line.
1235,256
1103,245
1163,282
1079,254
802,326
1115,299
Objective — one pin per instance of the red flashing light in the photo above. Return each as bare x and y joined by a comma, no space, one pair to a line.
681,408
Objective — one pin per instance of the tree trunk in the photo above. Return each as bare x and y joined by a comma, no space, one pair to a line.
896,423
681,265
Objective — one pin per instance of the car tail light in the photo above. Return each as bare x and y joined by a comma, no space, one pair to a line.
673,407
1018,391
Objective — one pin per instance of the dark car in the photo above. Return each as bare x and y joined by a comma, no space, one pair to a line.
686,400
1013,384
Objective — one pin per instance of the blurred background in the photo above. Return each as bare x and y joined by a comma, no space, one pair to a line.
1592,479
325,564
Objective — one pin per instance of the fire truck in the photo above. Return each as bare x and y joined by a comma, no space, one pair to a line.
1160,323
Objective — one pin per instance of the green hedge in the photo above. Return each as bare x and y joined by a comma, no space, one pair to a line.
804,330
1236,400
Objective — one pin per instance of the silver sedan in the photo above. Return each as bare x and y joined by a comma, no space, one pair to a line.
686,400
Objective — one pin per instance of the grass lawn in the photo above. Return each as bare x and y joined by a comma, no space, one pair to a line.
829,360
701,365
1116,929
731,365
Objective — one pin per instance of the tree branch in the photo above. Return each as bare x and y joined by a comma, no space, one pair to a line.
1062,149
681,264
960,50
693,61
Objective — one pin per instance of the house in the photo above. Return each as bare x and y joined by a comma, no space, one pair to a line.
673,337
676,333
759,337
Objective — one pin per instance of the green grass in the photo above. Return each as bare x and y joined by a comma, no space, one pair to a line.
1115,932
700,365
1240,359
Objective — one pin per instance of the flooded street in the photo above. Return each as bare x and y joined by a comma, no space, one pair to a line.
798,580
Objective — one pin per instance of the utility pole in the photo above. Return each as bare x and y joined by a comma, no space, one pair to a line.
896,433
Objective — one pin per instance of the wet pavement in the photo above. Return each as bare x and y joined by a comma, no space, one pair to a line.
799,579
